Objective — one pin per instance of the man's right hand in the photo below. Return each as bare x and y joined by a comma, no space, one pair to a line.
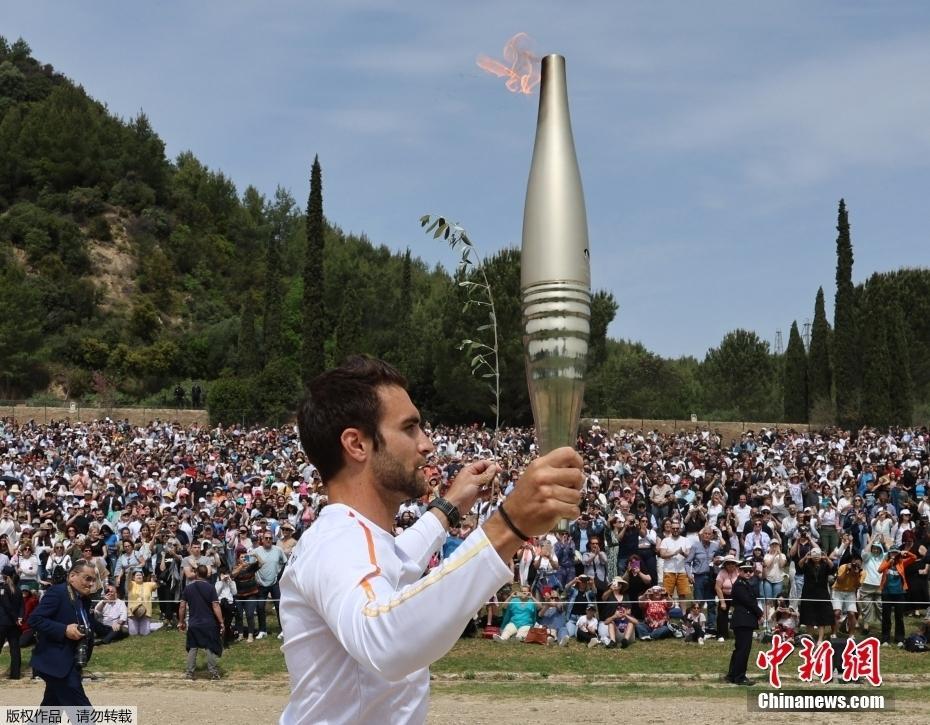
549,490
72,632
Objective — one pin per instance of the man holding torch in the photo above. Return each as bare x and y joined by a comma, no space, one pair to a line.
361,622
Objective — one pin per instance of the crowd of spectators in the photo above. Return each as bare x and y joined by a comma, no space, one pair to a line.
836,525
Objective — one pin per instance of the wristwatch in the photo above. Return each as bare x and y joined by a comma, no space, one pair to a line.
451,511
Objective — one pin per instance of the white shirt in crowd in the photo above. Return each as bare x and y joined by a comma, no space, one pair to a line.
361,622
681,546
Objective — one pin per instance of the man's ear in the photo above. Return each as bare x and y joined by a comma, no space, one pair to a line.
356,445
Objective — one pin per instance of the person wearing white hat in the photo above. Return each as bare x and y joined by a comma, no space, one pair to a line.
905,523
816,608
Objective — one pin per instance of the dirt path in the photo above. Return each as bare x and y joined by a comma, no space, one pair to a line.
170,701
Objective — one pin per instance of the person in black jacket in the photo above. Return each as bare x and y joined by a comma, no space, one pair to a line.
11,613
745,618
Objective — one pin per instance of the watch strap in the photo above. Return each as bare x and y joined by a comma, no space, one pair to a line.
451,511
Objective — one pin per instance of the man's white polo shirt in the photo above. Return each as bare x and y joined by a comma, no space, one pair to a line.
362,624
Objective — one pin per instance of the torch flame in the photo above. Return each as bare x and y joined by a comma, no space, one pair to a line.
520,66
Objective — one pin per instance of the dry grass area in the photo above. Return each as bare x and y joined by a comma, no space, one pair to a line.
114,265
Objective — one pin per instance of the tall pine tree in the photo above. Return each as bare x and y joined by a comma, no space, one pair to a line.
313,354
845,338
274,299
795,385
819,376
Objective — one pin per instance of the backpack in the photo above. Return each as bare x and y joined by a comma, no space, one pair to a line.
916,643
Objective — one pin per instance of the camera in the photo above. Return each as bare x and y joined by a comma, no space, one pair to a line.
82,653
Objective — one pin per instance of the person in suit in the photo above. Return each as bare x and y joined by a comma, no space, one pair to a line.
56,621
745,617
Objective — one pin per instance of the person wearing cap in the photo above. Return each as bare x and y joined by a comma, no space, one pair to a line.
655,605
746,617
587,628
816,609
774,569
870,591
905,523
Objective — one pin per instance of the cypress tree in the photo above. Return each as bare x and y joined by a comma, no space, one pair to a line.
313,354
819,375
274,300
406,290
795,385
248,357
876,363
901,385
845,340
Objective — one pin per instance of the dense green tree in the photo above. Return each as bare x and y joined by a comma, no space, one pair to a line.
349,333
633,382
144,322
739,377
20,326
877,408
900,384
795,384
276,391
313,356
231,400
820,377
845,336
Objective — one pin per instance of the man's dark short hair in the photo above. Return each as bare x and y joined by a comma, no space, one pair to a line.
344,397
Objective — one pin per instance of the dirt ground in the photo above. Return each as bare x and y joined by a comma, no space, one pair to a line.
168,701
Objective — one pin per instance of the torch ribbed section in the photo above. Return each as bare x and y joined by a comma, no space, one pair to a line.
556,328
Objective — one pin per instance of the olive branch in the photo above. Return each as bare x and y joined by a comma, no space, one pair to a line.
484,361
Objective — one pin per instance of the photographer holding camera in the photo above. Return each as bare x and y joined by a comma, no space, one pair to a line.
65,626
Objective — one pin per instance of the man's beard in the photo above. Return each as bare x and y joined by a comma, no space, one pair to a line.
390,473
